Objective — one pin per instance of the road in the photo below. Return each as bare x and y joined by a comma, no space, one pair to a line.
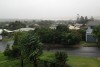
4,44
82,51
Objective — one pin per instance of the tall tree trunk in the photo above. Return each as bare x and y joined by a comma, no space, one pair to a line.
22,60
35,63
22,64
98,41
45,64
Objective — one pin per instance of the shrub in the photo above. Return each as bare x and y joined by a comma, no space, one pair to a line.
70,39
15,51
12,53
83,34
61,58
7,51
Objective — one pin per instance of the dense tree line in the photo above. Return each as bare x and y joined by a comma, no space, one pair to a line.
84,20
60,35
14,25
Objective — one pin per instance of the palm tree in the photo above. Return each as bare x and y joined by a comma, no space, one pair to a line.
61,58
31,47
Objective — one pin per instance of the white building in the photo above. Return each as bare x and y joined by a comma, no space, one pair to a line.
24,29
1,30
73,27
89,35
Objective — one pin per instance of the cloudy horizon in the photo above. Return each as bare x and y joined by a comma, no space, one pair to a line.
48,9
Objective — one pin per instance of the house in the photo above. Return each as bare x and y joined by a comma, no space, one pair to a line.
78,25
24,29
8,31
89,35
1,30
72,27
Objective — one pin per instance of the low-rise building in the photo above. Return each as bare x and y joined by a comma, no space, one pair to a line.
89,35
24,29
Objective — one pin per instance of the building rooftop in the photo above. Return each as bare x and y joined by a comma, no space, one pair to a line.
25,29
93,23
73,27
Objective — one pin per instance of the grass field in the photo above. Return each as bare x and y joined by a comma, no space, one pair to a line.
73,61
88,44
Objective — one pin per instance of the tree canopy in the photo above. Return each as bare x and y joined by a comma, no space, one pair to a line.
96,32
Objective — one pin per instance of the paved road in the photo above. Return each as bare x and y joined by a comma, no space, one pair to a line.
4,44
82,51
87,51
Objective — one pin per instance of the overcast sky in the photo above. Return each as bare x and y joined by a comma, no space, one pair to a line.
48,9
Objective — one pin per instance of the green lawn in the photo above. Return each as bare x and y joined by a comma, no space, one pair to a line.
74,61
88,44
6,39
